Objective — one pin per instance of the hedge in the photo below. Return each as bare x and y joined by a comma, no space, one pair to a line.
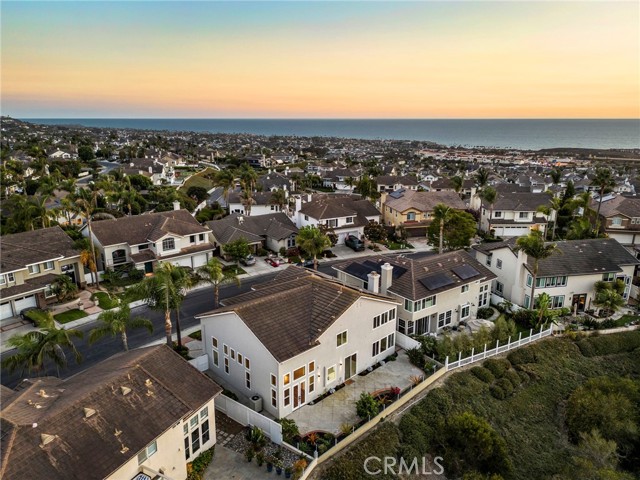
609,344
521,356
512,377
483,374
497,366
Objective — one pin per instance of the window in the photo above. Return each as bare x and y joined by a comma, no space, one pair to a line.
287,397
383,344
464,313
48,292
331,374
499,264
411,216
616,221
274,380
402,325
312,367
192,239
201,237
168,244
333,223
608,277
216,360
247,379
424,303
523,215
48,266
488,261
391,340
214,342
205,431
465,289
226,365
527,301
239,358
147,452
408,305
10,277
306,217
286,379
247,363
375,349
225,349
187,452
529,280
497,214
499,287
312,383
233,354
444,319
274,398
204,413
34,269
143,247
557,301
195,440
341,338
349,220
545,282
299,372
3,279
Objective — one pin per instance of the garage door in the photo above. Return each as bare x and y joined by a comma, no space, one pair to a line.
26,302
182,262
199,260
5,310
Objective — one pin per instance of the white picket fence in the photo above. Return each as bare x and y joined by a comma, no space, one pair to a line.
476,357
245,416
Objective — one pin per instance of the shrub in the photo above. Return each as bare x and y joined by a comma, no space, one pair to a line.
484,313
428,345
135,274
196,468
513,377
526,318
289,429
497,366
505,385
483,374
609,344
524,376
230,394
367,406
521,356
497,393
416,357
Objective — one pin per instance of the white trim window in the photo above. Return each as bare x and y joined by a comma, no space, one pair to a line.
168,244
196,432
616,222
33,269
341,338
499,263
147,452
465,311
444,319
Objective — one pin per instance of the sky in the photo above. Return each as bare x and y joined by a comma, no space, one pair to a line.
480,59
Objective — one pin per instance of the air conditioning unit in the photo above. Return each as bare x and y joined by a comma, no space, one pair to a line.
255,403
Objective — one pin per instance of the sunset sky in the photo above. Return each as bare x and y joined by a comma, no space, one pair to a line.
321,59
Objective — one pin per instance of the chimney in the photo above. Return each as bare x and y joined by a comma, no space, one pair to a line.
373,282
298,204
240,220
386,277
176,205
150,169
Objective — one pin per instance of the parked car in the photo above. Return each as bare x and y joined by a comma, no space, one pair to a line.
306,263
248,260
24,314
273,262
354,243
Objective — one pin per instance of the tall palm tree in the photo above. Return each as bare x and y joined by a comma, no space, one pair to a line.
213,272
482,178
489,195
47,343
247,200
579,229
442,214
457,182
313,242
118,322
164,291
605,182
534,246
87,203
555,204
226,180
279,198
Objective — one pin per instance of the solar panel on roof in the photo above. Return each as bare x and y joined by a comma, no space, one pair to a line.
437,280
358,271
465,271
398,193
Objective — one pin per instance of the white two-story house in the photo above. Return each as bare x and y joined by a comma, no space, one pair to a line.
345,214
296,337
435,293
144,240
568,276
515,214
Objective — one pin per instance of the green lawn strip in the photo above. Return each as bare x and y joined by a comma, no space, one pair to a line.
105,302
198,180
70,316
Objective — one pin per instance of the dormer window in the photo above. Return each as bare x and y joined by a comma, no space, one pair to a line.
168,244
523,215
617,221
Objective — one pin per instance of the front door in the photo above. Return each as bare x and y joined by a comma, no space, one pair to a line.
350,366
579,302
298,395
148,267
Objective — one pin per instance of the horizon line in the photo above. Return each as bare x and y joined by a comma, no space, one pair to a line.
321,118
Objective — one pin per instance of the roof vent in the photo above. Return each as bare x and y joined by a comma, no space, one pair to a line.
89,412
43,394
45,439
117,432
124,449
150,393
148,382
125,390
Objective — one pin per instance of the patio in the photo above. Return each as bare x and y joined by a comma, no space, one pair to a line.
338,409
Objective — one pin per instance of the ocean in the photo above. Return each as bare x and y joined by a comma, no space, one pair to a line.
504,133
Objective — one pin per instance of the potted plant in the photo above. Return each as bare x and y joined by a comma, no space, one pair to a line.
260,458
270,461
249,453
287,472
298,468
278,465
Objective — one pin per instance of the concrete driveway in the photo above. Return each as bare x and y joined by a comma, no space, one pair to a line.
340,408
228,464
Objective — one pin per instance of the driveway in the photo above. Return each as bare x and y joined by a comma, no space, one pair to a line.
340,408
228,464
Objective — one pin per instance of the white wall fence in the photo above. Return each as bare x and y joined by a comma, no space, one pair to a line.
245,416
497,300
201,362
406,342
510,345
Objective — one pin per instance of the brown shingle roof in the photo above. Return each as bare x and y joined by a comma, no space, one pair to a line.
21,249
424,201
141,229
89,447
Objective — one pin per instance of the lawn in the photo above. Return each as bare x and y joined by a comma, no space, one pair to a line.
622,321
105,302
197,335
70,316
39,316
198,180
398,246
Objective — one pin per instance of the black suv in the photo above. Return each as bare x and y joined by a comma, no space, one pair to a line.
24,314
354,243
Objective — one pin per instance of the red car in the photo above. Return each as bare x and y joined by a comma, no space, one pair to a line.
272,262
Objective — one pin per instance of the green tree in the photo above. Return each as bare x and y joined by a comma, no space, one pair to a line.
367,407
85,153
213,273
482,178
489,196
556,175
580,229
457,182
609,296
63,288
534,247
542,304
367,187
87,204
313,242
441,215
237,250
375,232
457,230
118,322
279,198
200,194
605,182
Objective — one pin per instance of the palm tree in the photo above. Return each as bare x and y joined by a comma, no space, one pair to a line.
489,195
313,242
87,205
482,178
213,272
279,198
609,295
64,288
533,245
226,180
605,182
441,213
579,229
117,322
457,182
48,343
246,198
164,291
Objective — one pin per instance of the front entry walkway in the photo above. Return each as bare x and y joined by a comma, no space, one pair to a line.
339,409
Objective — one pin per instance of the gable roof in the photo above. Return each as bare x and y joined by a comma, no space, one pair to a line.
411,277
627,206
423,201
323,207
519,201
288,316
253,229
164,389
140,229
36,246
